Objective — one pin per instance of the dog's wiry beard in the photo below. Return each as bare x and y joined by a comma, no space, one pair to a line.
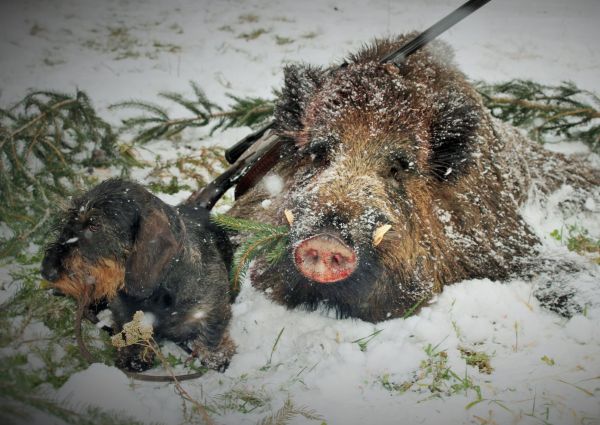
346,298
95,281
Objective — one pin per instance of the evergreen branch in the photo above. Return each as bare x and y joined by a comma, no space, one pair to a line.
204,165
144,106
236,224
287,412
156,121
563,111
46,140
545,107
249,112
248,251
267,239
42,115
71,416
276,254
191,105
198,120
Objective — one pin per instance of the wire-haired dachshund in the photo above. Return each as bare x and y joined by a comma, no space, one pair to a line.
121,244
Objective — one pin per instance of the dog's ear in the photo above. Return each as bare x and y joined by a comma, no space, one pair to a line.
154,248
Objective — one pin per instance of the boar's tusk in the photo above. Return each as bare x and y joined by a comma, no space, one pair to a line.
289,216
379,233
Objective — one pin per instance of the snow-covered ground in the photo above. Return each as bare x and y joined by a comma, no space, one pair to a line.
546,369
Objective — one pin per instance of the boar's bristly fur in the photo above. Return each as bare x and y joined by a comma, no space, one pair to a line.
369,144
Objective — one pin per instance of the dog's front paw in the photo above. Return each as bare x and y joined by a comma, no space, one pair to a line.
215,358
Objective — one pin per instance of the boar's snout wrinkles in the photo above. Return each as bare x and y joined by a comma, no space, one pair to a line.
412,148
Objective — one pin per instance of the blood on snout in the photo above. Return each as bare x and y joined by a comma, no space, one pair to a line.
325,258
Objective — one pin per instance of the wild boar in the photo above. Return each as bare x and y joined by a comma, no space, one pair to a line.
368,145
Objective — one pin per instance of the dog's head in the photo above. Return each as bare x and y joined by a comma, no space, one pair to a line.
116,233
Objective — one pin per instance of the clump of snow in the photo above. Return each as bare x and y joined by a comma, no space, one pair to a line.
273,184
149,319
105,319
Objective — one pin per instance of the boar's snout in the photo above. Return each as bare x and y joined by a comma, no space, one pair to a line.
325,258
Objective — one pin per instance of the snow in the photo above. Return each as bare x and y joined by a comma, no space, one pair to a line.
273,184
109,49
104,386
149,319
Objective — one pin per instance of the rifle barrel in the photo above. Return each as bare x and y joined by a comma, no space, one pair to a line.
433,31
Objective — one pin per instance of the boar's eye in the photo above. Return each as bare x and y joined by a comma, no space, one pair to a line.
400,165
318,151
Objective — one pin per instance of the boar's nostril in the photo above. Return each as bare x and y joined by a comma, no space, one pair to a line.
312,254
337,259
325,258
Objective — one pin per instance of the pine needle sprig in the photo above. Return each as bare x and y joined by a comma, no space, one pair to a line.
268,240
236,224
156,122
287,412
565,111
47,140
250,111
201,166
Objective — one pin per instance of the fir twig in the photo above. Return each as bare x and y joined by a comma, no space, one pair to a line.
201,167
564,111
287,412
248,251
46,141
266,239
155,122
236,224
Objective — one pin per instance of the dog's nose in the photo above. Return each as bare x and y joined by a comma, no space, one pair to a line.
50,273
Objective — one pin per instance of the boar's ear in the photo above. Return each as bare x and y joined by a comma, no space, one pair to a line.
453,133
154,247
300,83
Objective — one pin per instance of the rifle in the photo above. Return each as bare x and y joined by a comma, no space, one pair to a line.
265,156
